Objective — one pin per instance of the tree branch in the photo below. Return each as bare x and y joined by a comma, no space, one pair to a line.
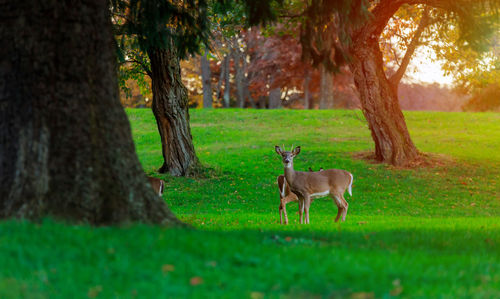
385,10
424,21
142,65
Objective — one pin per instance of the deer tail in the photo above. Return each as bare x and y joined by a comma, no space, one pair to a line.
349,189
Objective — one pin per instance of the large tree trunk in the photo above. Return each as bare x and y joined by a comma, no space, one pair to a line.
66,148
326,89
206,77
170,107
381,107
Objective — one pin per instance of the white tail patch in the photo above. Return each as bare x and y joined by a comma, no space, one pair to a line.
162,186
283,188
349,189
320,194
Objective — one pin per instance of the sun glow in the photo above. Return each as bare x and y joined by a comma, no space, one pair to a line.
425,68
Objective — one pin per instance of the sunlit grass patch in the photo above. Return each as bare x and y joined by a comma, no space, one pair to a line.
428,232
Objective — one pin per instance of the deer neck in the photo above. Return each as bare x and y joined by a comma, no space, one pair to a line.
290,173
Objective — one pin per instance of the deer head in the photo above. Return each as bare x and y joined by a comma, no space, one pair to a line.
287,157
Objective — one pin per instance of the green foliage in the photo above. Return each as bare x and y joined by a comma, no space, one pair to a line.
468,41
134,66
430,232
181,26
178,25
336,19
487,99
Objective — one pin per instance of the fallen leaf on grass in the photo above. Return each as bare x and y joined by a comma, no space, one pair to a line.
167,268
94,291
194,281
398,288
362,295
256,295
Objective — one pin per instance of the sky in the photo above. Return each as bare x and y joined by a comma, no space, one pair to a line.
423,69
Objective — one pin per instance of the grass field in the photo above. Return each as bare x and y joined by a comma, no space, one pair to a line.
424,233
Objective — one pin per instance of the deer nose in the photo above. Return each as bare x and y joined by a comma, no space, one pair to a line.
287,160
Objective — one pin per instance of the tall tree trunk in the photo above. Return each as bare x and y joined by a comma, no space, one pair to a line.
325,89
66,148
206,77
307,93
239,78
262,102
170,107
218,89
381,107
246,82
227,82
275,98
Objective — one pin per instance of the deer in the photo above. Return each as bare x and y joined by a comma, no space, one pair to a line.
286,195
157,184
310,185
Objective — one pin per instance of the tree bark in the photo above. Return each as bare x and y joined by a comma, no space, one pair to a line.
275,98
66,148
262,102
381,107
227,82
239,78
307,93
170,107
206,78
326,89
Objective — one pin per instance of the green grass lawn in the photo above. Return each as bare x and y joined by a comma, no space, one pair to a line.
430,232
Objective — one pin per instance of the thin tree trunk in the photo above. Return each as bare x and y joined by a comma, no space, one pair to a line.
381,107
326,89
307,93
227,83
206,77
170,107
262,102
275,98
66,148
218,90
239,78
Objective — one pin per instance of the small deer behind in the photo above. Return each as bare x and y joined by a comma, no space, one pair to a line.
309,185
286,195
157,184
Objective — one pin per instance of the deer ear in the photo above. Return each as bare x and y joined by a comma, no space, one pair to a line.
296,151
278,150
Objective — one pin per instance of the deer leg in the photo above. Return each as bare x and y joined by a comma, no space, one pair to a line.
301,210
284,212
281,213
338,214
307,204
340,208
346,206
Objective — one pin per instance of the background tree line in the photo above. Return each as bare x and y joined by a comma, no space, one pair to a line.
273,73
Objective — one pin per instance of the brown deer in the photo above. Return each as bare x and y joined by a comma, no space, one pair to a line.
157,184
286,195
310,185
